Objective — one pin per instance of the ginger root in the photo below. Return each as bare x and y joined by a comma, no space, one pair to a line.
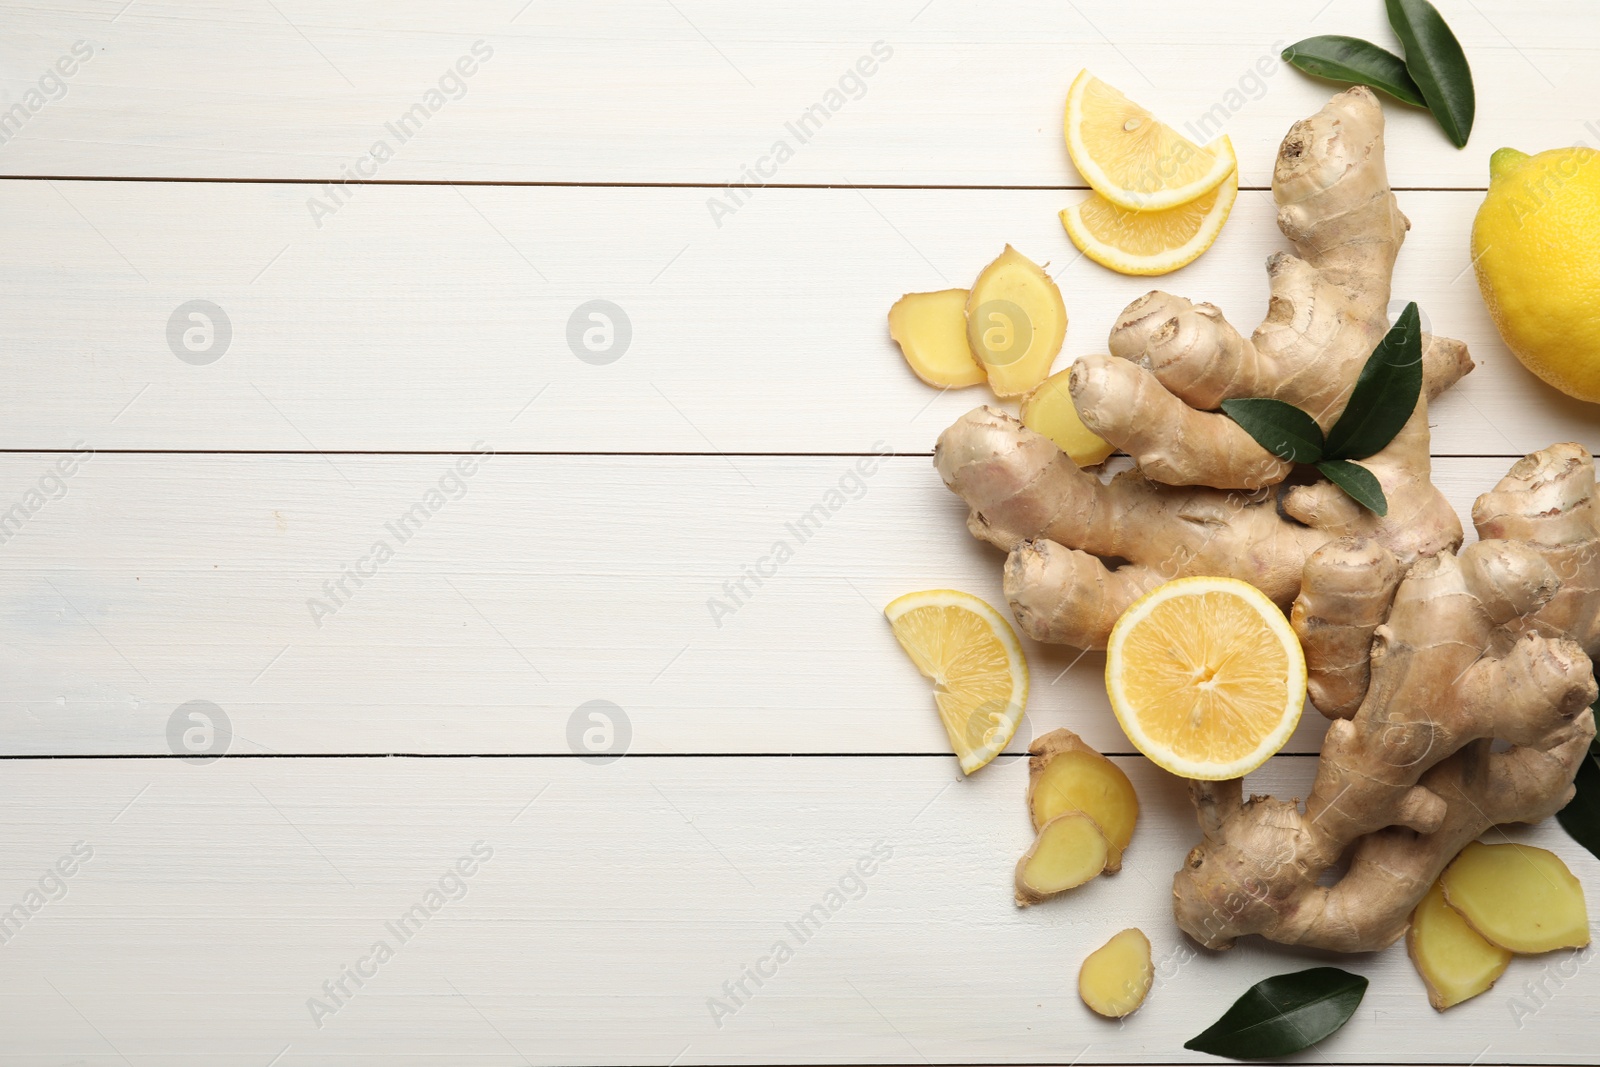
1412,776
1069,850
1115,978
1453,959
1016,322
1204,498
1065,774
931,330
1522,898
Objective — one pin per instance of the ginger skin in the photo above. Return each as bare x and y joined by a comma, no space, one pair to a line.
1201,499
1411,778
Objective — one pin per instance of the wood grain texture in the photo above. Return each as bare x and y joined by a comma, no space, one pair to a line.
698,90
372,322
617,902
544,583
425,318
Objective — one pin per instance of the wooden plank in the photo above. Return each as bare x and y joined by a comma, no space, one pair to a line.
541,584
614,903
426,318
697,91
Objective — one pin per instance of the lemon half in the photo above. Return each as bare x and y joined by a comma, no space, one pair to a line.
1206,677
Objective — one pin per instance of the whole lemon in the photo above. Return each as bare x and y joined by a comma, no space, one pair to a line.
1536,246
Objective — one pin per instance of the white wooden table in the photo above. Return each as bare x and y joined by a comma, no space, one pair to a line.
388,732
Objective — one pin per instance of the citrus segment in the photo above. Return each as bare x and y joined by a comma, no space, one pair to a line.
1132,159
970,651
1149,242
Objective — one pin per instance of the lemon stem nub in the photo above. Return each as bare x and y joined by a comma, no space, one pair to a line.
1504,161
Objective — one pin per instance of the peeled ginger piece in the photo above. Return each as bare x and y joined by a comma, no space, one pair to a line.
1519,897
1016,322
1069,851
1116,976
1065,774
931,330
1049,410
1454,960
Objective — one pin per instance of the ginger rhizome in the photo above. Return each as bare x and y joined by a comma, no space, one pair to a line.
1204,498
1065,774
1454,960
1459,683
1115,978
931,330
1521,898
1069,850
1412,776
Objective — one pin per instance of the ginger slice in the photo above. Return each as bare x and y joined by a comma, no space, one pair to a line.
1016,322
1065,774
1048,409
1454,960
1115,977
931,330
1518,897
1069,851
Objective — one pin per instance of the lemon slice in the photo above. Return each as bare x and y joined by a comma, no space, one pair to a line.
1149,242
1133,160
1206,677
973,656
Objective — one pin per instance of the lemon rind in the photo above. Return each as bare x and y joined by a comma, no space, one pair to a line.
1101,182
1148,266
1016,659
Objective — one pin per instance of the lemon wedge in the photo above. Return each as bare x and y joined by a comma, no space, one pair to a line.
973,656
1133,160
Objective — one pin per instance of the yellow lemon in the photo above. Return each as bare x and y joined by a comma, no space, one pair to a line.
1536,248
976,661
1149,242
1131,158
1206,677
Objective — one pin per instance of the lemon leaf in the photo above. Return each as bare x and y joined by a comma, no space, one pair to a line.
1357,482
1438,65
1354,62
1282,429
1385,394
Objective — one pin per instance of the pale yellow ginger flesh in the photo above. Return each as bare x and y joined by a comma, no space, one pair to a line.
1069,851
1065,774
1518,897
1049,410
1016,322
931,330
1454,960
1115,977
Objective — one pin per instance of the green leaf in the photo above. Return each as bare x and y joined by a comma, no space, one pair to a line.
1437,64
1282,429
1581,816
1355,62
1283,1014
1358,483
1385,394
